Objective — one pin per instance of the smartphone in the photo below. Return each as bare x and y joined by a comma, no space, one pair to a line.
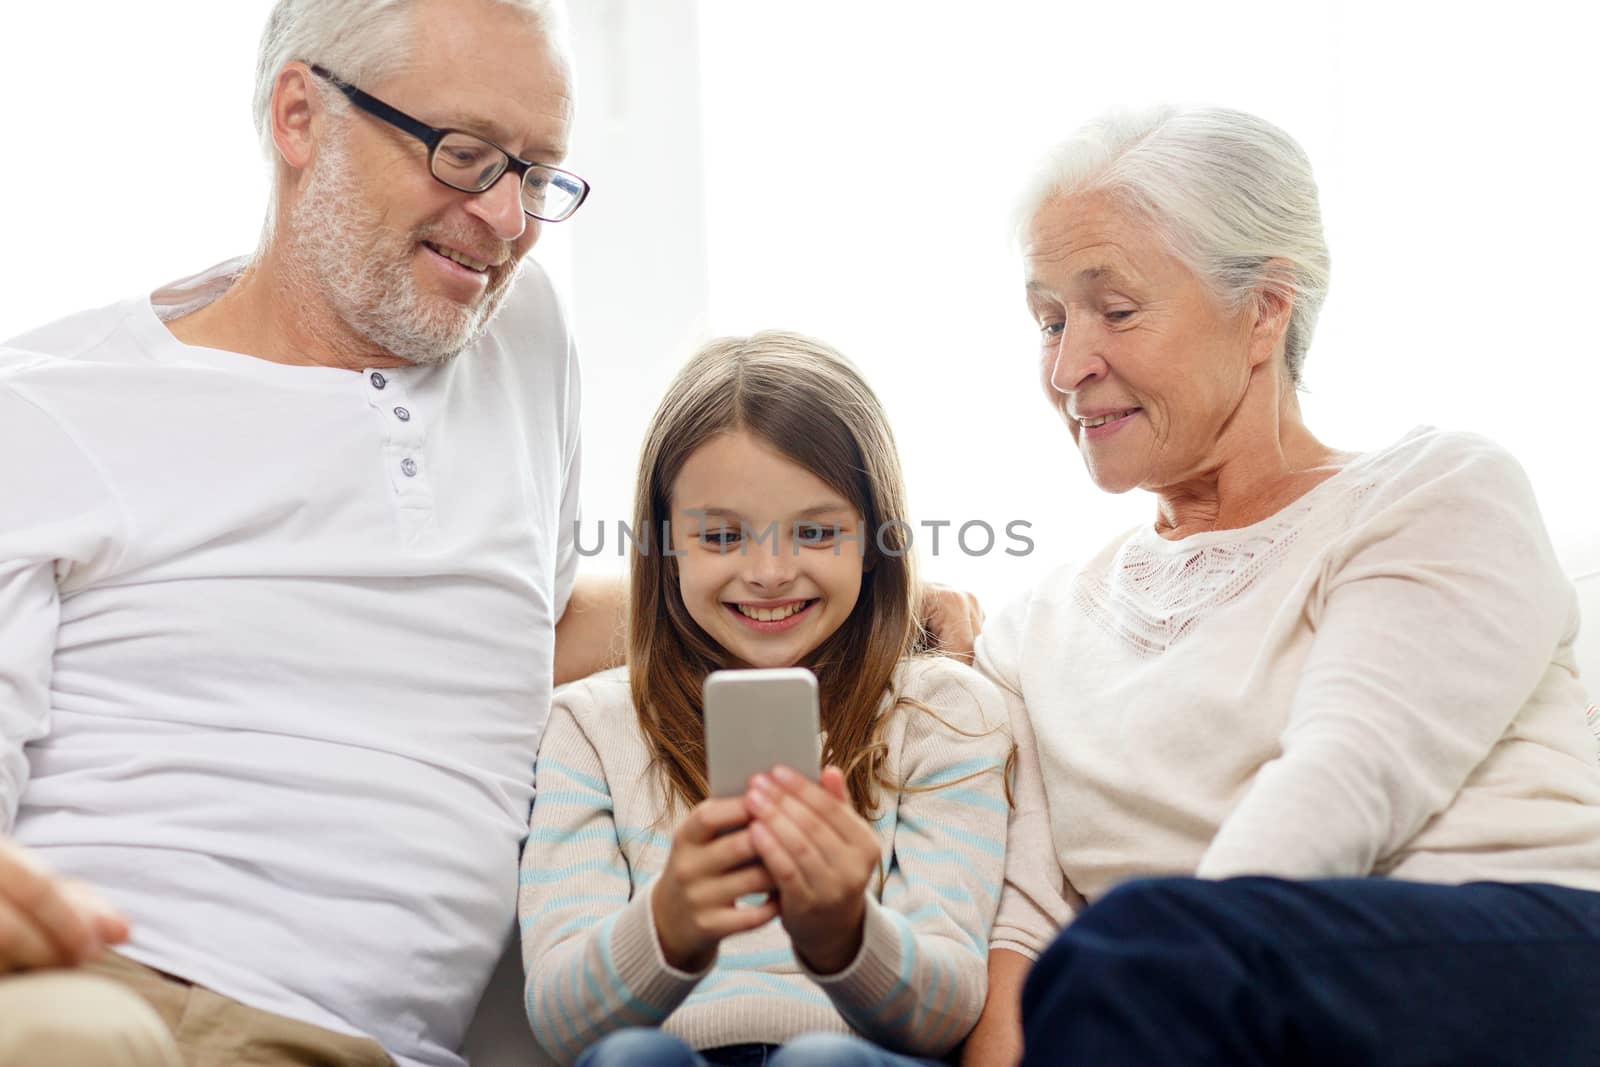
756,719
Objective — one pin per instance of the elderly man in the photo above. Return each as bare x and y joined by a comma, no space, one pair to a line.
284,546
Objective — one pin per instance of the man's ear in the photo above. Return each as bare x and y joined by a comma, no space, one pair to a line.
294,112
1274,304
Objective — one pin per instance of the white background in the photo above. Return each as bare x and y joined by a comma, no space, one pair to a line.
847,169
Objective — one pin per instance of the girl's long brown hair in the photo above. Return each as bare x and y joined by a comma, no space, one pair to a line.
808,402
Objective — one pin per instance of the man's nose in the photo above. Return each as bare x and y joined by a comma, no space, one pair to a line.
500,206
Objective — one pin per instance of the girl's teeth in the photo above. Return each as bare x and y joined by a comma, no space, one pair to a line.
769,614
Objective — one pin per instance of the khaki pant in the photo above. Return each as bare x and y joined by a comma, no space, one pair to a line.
118,1013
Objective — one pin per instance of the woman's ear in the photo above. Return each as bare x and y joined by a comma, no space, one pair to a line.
1274,305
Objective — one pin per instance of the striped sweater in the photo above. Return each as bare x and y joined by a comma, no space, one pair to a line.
598,838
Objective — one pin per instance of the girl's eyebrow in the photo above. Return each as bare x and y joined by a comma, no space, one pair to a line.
824,509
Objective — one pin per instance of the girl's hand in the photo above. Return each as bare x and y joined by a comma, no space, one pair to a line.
822,856
693,902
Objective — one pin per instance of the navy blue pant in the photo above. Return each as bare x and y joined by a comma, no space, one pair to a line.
1373,972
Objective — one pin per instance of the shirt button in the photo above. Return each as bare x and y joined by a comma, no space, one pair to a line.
378,380
408,467
402,414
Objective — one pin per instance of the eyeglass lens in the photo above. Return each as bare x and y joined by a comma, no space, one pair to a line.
464,162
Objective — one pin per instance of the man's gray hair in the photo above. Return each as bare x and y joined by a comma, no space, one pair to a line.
362,41
1226,191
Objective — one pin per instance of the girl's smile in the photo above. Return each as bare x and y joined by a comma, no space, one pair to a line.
772,618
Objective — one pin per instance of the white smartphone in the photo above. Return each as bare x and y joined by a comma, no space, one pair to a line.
756,719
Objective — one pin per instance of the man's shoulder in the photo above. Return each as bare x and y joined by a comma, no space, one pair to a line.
90,335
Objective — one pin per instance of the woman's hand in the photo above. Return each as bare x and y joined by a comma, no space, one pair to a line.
694,901
952,618
822,856
47,922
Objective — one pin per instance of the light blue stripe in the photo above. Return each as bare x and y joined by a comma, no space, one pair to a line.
751,960
571,901
972,798
566,1001
618,986
572,798
554,1015
955,894
555,835
590,1025
629,834
799,996
956,771
571,926
948,856
553,875
777,983
982,842
936,983
908,959
588,781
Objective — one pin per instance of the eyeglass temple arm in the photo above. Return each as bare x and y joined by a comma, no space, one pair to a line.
373,106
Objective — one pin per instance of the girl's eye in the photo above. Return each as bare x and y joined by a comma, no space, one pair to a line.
812,533
720,538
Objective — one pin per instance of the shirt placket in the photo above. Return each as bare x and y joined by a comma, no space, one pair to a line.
405,458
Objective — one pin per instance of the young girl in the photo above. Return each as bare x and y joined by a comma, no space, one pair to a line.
662,927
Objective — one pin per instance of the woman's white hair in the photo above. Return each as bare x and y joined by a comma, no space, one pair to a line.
1230,195
362,41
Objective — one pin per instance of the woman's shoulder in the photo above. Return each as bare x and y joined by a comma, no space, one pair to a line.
1427,454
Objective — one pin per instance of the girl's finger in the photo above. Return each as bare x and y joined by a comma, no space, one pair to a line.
833,811
776,859
807,841
712,817
740,883
729,921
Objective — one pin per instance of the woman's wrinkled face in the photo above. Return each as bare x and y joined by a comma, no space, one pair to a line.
1141,359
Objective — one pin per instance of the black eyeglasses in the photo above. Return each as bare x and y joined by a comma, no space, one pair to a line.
467,162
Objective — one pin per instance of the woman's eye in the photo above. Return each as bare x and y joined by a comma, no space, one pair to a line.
1051,330
1119,315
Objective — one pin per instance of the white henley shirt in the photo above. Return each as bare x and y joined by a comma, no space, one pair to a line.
276,647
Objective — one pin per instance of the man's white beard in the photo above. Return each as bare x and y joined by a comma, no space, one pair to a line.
363,270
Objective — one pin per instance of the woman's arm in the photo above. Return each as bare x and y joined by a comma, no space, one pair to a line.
997,1039
591,635
1441,615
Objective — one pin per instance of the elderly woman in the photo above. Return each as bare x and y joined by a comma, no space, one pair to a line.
1304,708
